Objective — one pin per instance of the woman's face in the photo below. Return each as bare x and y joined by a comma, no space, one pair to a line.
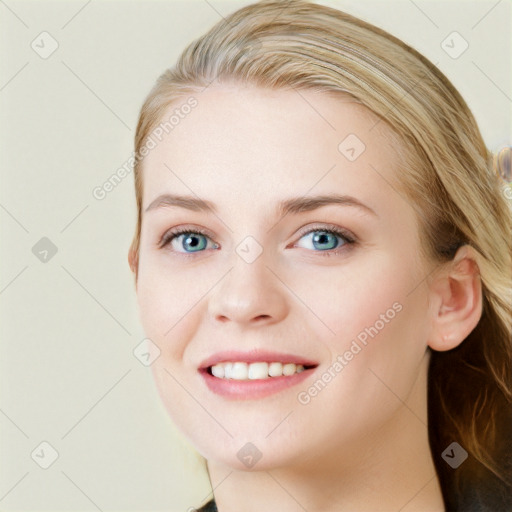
252,283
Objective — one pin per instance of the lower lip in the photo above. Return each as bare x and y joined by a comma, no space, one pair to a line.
252,389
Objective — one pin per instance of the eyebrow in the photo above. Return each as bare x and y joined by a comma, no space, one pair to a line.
294,205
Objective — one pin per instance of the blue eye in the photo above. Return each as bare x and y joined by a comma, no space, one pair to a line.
325,241
191,241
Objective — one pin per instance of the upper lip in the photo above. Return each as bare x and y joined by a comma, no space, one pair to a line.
255,356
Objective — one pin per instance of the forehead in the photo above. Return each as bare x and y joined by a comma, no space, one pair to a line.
261,145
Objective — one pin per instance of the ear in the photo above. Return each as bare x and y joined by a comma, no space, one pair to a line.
455,300
133,259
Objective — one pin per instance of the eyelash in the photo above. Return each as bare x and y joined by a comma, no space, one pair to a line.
347,238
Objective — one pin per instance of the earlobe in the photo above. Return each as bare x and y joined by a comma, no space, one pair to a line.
456,301
132,260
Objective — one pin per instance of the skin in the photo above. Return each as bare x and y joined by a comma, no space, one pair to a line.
361,443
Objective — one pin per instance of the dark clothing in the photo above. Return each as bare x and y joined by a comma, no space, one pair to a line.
208,507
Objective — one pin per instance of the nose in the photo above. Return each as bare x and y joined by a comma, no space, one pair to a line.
250,294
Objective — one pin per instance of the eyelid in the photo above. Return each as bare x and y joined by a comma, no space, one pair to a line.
175,232
338,230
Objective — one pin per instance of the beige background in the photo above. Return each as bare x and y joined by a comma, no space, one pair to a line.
69,325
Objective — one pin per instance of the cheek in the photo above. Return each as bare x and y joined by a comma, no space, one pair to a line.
171,305
354,296
162,303
376,323
157,307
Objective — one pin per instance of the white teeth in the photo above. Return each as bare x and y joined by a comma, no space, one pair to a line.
258,371
218,371
289,369
275,369
252,371
239,371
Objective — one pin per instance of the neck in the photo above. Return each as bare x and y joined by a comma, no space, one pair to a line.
388,470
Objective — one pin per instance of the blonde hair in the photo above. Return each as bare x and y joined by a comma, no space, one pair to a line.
445,171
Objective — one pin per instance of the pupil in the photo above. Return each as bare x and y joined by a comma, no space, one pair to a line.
190,240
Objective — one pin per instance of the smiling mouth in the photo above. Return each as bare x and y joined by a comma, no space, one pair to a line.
241,371
255,374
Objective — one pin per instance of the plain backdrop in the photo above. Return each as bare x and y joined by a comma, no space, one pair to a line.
69,321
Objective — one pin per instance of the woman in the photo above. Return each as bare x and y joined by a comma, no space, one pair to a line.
369,374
